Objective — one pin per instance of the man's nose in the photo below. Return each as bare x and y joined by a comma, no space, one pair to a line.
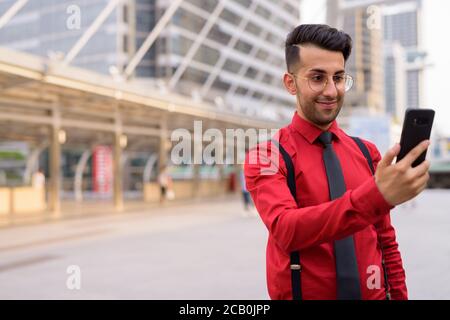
330,89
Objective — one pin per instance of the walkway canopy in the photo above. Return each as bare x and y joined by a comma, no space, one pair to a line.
45,101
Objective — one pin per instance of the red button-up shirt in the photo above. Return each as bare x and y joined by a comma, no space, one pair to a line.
312,226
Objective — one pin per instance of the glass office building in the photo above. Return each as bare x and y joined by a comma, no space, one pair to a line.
229,53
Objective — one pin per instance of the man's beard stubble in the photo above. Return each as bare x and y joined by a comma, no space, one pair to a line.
315,116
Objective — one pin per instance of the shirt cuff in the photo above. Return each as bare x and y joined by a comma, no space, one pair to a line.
367,198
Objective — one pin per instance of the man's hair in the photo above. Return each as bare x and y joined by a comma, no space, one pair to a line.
320,35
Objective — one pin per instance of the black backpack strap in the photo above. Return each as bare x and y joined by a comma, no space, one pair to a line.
295,266
366,153
290,169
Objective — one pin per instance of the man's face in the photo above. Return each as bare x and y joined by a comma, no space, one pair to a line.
320,107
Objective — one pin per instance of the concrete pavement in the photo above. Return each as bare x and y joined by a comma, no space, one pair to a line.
202,250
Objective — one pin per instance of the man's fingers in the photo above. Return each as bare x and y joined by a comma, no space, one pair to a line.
421,169
415,153
389,156
425,184
421,182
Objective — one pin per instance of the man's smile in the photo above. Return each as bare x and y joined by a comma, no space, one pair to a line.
327,104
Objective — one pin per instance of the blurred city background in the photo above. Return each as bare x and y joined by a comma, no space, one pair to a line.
92,91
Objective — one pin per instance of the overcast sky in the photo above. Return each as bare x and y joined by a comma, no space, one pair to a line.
436,42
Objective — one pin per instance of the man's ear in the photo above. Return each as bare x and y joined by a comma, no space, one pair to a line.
289,83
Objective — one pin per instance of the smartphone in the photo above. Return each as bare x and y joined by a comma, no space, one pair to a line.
416,128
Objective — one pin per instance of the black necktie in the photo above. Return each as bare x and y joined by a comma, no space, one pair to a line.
346,266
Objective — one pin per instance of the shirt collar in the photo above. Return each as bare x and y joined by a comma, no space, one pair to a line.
309,131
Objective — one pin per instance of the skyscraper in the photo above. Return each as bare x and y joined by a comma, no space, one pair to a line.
388,59
395,79
354,17
402,26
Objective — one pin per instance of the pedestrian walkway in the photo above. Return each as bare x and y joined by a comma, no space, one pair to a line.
196,250
71,209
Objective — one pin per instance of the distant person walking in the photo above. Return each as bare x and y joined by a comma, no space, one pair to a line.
165,185
248,203
3,179
38,180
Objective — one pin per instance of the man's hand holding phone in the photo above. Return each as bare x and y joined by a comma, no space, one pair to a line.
401,182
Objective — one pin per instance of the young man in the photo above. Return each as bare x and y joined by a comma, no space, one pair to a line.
339,223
